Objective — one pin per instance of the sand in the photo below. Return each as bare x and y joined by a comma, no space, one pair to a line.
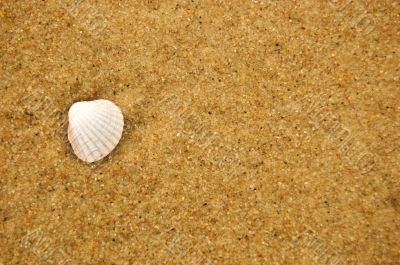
256,132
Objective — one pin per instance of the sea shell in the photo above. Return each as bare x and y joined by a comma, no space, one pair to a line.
94,129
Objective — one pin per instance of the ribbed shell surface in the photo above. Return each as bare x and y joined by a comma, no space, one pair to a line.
94,129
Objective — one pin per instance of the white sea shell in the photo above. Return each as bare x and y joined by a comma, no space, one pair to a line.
94,129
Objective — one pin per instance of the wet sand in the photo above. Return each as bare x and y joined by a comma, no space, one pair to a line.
256,132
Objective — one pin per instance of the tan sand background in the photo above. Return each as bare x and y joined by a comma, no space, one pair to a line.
257,132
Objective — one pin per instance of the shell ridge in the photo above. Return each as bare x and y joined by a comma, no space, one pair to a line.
114,108
94,151
104,140
108,128
75,136
95,128
111,116
77,124
110,120
79,139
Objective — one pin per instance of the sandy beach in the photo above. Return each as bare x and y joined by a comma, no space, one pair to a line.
256,132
